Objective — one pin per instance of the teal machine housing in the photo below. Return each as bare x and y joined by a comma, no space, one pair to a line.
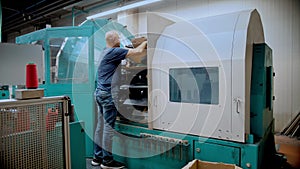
70,66
70,61
261,110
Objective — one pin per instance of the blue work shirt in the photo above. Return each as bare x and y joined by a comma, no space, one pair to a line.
109,68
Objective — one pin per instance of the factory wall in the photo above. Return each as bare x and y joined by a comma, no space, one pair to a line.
281,21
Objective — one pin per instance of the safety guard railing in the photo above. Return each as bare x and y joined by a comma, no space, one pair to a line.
35,133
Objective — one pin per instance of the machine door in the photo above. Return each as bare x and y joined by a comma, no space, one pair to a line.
191,85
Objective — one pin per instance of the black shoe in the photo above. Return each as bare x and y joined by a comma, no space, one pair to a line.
96,162
112,165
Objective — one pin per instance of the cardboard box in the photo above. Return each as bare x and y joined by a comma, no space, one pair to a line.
198,164
137,41
290,147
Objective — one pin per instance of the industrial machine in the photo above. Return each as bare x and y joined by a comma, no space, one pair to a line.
204,92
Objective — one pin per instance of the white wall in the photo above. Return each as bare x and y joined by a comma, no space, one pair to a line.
281,20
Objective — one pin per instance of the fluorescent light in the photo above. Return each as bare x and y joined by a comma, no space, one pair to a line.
123,8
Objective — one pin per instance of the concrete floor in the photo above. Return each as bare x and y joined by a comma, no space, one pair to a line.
89,166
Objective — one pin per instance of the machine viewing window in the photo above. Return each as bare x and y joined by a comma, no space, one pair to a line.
69,60
194,85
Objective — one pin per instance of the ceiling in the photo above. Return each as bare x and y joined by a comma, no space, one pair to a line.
21,14
26,13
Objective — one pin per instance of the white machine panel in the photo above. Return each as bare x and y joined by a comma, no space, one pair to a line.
200,76
14,58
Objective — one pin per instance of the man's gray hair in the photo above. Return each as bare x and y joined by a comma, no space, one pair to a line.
112,36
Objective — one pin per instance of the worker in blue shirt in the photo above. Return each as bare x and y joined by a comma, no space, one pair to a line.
106,90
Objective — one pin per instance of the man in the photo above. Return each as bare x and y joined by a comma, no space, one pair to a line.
106,91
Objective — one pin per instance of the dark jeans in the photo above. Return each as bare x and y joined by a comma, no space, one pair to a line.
107,113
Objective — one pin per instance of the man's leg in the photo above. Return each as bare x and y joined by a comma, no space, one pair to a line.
98,137
109,115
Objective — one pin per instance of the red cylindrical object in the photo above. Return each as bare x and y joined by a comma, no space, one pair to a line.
31,76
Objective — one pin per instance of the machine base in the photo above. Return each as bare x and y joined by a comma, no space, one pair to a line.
159,150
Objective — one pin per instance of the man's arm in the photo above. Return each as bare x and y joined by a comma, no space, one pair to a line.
137,53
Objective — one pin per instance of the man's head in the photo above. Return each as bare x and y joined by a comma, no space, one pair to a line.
112,39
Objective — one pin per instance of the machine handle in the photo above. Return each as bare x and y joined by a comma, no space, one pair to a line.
155,101
238,102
